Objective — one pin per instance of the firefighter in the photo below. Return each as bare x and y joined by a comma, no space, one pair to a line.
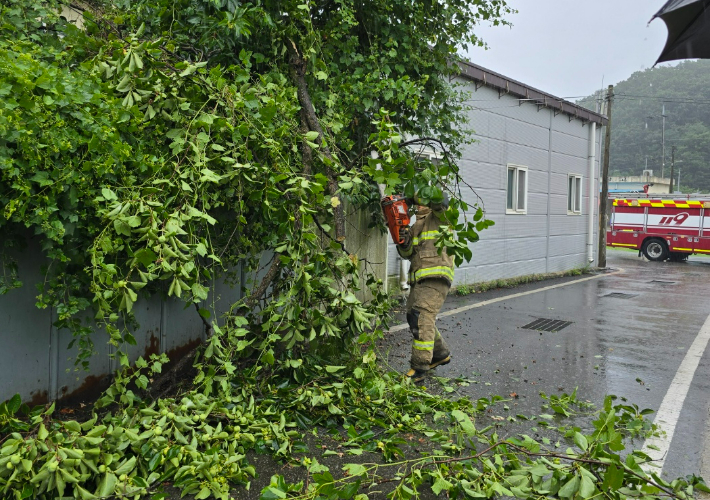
430,277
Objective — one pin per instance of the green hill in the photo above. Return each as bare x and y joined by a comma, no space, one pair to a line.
636,128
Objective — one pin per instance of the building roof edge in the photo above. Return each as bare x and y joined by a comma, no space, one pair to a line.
506,85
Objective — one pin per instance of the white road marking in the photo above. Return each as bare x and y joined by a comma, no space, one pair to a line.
458,310
668,413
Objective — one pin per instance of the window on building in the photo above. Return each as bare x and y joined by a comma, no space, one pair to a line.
517,190
574,194
430,154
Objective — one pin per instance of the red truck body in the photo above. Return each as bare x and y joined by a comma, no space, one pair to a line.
661,228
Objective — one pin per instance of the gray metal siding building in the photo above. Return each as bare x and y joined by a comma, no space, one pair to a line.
552,141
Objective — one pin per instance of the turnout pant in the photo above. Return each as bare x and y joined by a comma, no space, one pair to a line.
424,302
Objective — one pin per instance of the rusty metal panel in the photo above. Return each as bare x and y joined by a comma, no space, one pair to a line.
36,362
65,379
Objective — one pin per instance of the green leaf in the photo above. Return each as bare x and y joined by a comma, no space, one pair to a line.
108,194
209,176
201,249
199,291
440,485
613,478
580,441
355,469
271,493
334,410
570,488
145,256
85,495
122,227
137,285
126,467
464,421
72,425
205,493
311,136
13,405
27,492
586,488
133,221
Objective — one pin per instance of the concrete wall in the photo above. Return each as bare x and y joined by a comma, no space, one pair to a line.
546,239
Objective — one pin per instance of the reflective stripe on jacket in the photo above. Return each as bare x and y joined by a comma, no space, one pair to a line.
426,260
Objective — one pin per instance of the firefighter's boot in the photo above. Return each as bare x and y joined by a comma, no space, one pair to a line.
425,301
415,375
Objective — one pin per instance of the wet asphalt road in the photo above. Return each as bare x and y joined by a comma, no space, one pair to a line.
630,346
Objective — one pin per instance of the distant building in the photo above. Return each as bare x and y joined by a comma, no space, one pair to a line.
646,183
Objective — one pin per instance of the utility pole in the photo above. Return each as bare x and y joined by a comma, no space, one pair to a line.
672,167
603,197
663,140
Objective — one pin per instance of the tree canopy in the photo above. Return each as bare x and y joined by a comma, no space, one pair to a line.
168,141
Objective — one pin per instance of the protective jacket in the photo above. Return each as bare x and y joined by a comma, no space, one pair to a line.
426,260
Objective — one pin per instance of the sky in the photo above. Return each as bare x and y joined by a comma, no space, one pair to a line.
568,47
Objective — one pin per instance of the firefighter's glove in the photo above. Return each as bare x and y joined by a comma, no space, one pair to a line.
405,236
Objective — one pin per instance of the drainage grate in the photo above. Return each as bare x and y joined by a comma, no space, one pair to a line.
547,325
663,282
619,295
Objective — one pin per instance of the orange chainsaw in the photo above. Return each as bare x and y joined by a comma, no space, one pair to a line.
396,213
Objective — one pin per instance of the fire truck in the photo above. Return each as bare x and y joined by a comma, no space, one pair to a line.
661,228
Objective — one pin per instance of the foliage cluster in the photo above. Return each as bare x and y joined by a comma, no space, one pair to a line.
637,127
199,442
164,143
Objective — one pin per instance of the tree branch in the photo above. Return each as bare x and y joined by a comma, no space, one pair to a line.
273,271
327,234
298,68
208,327
595,462
447,157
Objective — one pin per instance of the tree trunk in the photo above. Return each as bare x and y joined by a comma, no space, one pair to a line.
304,98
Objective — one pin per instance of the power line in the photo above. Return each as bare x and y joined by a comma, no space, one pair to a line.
680,100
